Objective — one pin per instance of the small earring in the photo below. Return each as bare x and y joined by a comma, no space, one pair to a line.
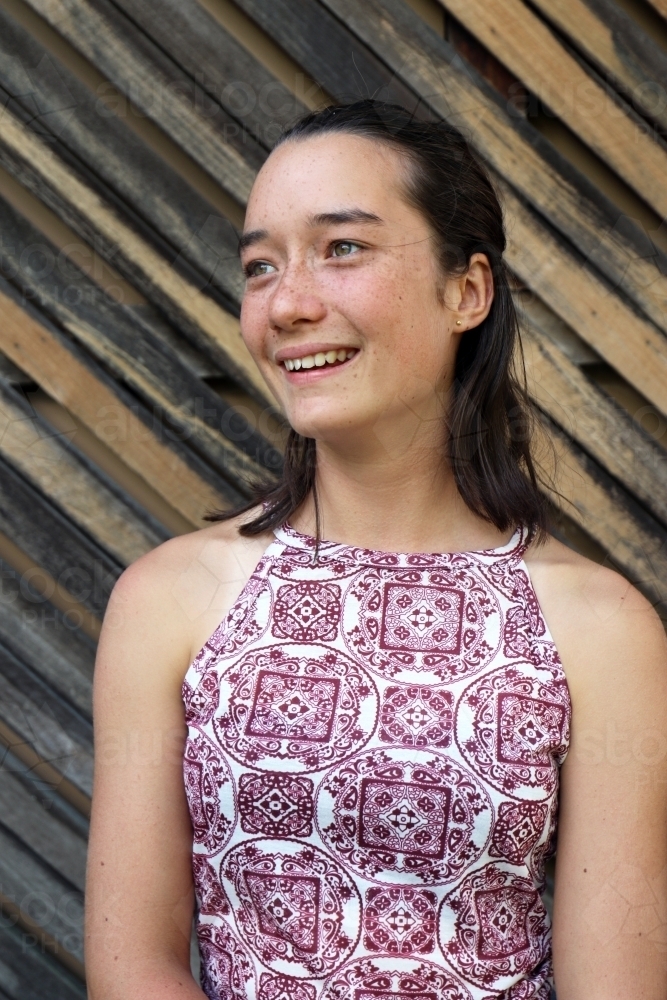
458,322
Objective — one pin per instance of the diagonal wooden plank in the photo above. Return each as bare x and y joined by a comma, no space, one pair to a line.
69,555
526,46
598,424
617,46
595,501
128,348
29,819
381,46
36,715
32,885
47,641
102,222
162,91
224,71
603,319
89,498
426,62
660,6
61,106
67,375
28,971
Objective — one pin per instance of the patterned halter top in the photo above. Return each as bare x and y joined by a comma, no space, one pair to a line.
372,768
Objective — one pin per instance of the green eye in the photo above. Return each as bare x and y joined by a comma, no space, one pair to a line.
344,248
257,268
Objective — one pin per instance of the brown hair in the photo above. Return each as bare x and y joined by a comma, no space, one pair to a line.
491,416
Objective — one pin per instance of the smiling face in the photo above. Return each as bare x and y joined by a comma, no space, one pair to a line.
346,312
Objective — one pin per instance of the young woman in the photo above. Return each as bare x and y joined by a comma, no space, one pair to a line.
347,724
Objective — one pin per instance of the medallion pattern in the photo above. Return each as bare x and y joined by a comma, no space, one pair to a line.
419,818
417,717
209,791
293,905
493,927
400,920
296,707
227,971
389,978
284,988
518,828
307,612
371,769
276,804
513,729
421,627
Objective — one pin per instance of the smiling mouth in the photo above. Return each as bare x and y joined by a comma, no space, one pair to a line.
319,360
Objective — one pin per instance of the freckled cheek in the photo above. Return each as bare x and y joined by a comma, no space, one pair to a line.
254,326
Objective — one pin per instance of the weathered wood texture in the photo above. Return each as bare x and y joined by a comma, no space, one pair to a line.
620,49
518,38
595,292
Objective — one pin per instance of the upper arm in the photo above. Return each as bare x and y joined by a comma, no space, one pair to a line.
610,903
139,886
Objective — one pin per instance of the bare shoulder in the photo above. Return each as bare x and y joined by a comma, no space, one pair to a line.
181,589
603,627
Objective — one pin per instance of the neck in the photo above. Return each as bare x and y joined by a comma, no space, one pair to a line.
404,503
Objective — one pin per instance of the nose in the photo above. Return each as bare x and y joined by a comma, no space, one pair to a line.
295,301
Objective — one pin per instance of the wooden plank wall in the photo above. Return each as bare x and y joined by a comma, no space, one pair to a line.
130,135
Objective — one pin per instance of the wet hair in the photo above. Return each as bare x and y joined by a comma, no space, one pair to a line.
490,418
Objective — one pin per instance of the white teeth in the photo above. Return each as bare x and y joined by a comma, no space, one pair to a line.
318,360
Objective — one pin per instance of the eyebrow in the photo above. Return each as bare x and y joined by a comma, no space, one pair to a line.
321,219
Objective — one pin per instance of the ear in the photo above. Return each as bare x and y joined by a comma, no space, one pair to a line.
475,290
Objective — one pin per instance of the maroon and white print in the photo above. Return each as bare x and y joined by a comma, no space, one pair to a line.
415,818
295,707
371,767
246,622
493,927
518,827
276,804
421,626
202,701
307,611
284,988
227,971
210,792
513,729
389,978
296,908
417,717
211,899
400,920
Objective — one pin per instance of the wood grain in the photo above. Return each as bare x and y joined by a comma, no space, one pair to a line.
158,88
47,641
526,46
590,417
102,223
51,463
27,969
137,356
617,46
79,385
177,217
